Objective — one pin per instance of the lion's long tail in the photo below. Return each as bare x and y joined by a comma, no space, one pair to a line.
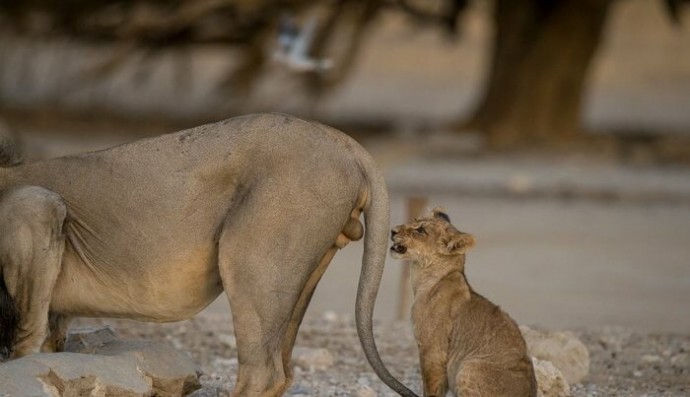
376,217
9,320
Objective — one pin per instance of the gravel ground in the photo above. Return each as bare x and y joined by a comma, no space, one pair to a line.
623,362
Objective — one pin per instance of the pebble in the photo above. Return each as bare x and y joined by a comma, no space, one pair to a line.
299,390
550,381
681,360
312,359
226,362
563,349
228,340
650,359
365,391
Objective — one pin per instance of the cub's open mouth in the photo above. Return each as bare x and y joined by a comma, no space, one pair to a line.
399,248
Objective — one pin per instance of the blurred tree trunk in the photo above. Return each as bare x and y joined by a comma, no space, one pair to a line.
542,51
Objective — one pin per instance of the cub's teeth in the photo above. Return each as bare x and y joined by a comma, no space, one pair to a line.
399,248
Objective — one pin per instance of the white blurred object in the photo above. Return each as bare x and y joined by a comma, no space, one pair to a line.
294,44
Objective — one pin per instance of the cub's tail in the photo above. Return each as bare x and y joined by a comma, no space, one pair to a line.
9,321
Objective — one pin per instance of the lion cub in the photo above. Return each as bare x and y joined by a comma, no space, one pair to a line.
466,343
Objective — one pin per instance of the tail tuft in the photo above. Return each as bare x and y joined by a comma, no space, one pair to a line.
9,321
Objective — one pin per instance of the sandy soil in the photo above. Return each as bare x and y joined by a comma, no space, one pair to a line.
624,363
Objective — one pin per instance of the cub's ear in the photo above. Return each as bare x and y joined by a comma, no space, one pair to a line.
439,214
460,243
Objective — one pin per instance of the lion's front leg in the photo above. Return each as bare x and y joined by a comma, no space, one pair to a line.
433,365
31,248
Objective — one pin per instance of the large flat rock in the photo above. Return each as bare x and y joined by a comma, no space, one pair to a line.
97,363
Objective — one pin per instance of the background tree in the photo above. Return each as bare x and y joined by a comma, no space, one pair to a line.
541,55
542,50
155,25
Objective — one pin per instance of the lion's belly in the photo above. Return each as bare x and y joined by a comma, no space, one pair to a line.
171,289
184,287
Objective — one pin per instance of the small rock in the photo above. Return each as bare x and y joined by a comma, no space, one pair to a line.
312,359
650,359
681,360
299,390
89,340
210,391
228,340
175,342
226,362
563,349
550,381
363,381
365,391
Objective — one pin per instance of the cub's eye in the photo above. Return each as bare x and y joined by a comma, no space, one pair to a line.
420,230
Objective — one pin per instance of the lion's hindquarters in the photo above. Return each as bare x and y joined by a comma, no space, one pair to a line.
31,248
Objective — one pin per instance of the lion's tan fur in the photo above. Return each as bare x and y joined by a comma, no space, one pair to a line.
155,230
466,343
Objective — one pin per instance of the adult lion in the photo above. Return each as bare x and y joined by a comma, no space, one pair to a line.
155,230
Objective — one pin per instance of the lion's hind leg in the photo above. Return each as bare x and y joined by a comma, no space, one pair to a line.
269,269
263,300
301,307
31,247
